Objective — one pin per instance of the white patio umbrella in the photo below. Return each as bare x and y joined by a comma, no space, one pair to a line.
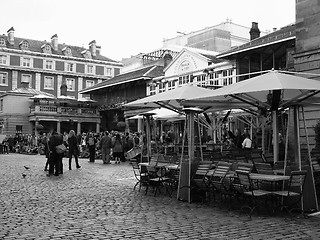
160,114
170,99
271,91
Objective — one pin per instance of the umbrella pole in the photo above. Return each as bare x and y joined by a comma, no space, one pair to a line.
263,142
310,163
190,148
275,136
180,192
200,142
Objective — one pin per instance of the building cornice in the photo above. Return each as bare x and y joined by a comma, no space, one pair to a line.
70,58
47,71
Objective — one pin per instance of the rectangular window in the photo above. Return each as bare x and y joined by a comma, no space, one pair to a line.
225,80
230,73
1,105
4,78
171,85
152,89
89,83
4,59
90,69
48,82
48,64
26,62
162,87
70,67
180,80
108,72
203,80
26,78
70,84
18,128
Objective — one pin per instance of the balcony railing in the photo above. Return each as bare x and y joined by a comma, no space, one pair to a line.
63,110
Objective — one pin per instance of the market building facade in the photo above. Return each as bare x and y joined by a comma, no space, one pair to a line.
49,67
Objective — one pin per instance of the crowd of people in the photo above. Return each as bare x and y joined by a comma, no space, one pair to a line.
108,146
112,146
21,143
238,140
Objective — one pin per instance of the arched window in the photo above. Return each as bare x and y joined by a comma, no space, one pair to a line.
2,42
67,51
24,45
47,48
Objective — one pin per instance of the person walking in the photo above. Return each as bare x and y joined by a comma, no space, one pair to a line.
91,143
73,148
44,141
55,159
117,148
105,145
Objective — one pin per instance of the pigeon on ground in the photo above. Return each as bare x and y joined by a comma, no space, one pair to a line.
26,167
24,175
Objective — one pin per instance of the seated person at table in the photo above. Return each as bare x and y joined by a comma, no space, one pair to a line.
247,143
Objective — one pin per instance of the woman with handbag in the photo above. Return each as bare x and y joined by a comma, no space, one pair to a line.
73,148
55,158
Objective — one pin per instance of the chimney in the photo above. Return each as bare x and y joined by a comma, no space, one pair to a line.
54,42
254,31
64,88
11,36
98,49
93,48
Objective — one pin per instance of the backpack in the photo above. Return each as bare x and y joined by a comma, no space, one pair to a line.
91,141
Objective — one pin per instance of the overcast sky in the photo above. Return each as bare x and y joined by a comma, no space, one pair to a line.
127,27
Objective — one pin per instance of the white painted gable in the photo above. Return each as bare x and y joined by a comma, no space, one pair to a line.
186,61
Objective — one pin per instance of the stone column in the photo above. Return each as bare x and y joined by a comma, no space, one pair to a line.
97,127
78,127
140,125
36,123
59,127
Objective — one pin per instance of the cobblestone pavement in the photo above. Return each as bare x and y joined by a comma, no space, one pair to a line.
98,202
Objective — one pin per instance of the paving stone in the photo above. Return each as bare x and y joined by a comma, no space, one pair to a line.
98,202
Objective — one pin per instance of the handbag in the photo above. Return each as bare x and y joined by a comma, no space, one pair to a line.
60,149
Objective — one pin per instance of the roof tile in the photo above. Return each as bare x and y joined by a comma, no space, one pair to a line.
143,73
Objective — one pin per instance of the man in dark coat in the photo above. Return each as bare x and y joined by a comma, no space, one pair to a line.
55,159
106,145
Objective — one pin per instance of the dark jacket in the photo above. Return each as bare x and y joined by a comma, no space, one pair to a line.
73,145
106,142
55,140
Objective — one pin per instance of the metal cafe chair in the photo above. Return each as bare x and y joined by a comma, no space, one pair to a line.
141,177
293,192
219,181
248,190
157,179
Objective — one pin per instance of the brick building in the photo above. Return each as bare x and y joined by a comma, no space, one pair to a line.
46,67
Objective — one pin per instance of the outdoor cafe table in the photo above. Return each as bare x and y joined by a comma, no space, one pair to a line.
164,165
273,179
268,177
